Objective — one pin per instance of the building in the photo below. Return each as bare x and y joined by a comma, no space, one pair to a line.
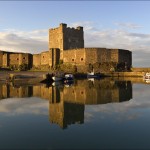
8,59
67,45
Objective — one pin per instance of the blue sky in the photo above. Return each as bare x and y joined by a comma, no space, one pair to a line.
114,24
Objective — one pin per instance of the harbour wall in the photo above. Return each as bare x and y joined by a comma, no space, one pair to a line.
124,74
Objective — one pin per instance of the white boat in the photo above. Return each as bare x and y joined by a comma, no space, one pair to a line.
69,76
69,79
58,76
91,79
146,77
56,83
92,75
55,78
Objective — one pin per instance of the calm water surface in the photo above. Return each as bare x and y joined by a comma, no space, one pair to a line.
95,114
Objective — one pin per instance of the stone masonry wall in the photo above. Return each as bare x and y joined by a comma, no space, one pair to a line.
114,55
86,56
66,38
45,58
18,58
73,38
36,60
54,57
83,57
75,56
103,55
24,58
91,55
125,56
1,59
56,38
14,59
5,59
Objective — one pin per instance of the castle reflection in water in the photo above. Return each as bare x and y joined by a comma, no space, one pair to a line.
67,104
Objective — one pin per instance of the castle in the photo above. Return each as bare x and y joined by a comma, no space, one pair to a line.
66,45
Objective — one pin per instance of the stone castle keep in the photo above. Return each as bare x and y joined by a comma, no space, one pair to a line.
66,45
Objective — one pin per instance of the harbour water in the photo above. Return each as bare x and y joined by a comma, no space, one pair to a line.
88,114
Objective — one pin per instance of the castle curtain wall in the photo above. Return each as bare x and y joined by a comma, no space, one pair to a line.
103,55
14,59
45,58
125,56
75,56
5,59
114,55
36,60
1,59
24,58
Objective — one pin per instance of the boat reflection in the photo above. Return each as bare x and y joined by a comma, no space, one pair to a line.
67,103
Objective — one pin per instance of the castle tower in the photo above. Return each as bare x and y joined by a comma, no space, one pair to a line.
65,38
55,56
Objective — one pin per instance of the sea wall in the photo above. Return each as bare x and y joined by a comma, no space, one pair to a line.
141,69
124,74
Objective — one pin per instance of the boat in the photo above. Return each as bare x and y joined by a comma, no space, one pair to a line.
93,75
91,79
146,77
58,76
57,84
68,84
55,78
69,78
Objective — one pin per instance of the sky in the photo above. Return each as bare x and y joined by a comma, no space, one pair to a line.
24,25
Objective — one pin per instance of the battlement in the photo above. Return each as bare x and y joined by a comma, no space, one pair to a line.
63,26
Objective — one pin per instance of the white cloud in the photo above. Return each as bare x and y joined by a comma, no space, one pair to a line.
128,25
122,111
32,41
18,106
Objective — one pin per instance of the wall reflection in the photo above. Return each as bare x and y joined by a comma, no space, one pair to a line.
67,104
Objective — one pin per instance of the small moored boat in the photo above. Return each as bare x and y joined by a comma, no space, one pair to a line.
93,75
146,77
58,76
55,78
69,78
